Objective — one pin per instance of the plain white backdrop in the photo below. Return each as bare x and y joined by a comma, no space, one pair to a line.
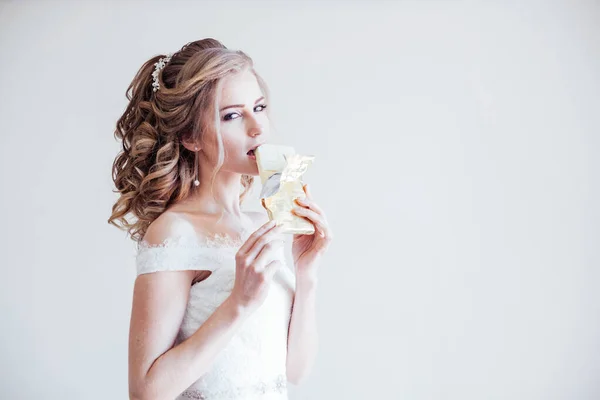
456,148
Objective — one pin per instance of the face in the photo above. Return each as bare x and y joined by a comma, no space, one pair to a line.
244,123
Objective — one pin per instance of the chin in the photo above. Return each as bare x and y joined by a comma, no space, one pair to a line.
242,169
254,170
253,173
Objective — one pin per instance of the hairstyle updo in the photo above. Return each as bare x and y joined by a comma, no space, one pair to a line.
154,169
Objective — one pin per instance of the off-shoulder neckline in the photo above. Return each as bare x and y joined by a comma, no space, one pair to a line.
214,240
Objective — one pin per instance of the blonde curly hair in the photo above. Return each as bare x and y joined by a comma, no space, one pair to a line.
154,169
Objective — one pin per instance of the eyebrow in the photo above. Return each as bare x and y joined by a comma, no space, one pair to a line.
241,105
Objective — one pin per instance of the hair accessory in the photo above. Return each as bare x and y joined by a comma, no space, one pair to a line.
157,67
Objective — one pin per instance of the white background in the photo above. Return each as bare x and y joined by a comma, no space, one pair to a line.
457,161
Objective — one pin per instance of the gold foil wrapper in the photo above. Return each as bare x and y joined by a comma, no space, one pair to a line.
281,188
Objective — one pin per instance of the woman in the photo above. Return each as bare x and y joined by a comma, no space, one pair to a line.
216,313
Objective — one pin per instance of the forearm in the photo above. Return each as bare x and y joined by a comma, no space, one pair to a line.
178,368
302,334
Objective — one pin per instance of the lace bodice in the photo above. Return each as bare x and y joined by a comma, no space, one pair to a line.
253,364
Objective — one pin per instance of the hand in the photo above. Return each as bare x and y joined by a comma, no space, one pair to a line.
307,249
256,263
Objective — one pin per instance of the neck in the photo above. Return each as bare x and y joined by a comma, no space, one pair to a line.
220,199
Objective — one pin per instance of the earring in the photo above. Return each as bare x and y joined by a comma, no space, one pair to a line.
196,181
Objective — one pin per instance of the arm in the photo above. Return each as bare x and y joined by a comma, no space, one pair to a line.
306,253
302,332
302,343
156,369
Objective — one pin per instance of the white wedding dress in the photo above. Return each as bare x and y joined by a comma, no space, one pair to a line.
253,364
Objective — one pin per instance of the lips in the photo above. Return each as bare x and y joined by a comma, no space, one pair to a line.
251,151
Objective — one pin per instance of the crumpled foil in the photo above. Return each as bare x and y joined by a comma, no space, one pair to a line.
281,189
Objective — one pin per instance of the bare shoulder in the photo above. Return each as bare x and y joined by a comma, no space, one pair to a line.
168,225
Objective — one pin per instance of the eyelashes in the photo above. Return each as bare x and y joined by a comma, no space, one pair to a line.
228,117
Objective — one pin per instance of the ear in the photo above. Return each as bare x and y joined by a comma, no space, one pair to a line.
191,146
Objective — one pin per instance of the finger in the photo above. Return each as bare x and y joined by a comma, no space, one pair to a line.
312,205
270,236
268,253
315,218
307,191
255,236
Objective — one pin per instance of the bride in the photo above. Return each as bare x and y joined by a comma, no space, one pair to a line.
216,312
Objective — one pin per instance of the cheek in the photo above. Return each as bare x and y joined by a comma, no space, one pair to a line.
231,130
210,145
233,141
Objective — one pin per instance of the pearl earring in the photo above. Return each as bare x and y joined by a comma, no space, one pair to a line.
196,181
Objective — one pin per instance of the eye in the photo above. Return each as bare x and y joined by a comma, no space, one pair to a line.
229,117
235,115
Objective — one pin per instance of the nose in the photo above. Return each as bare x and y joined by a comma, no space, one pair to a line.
255,128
